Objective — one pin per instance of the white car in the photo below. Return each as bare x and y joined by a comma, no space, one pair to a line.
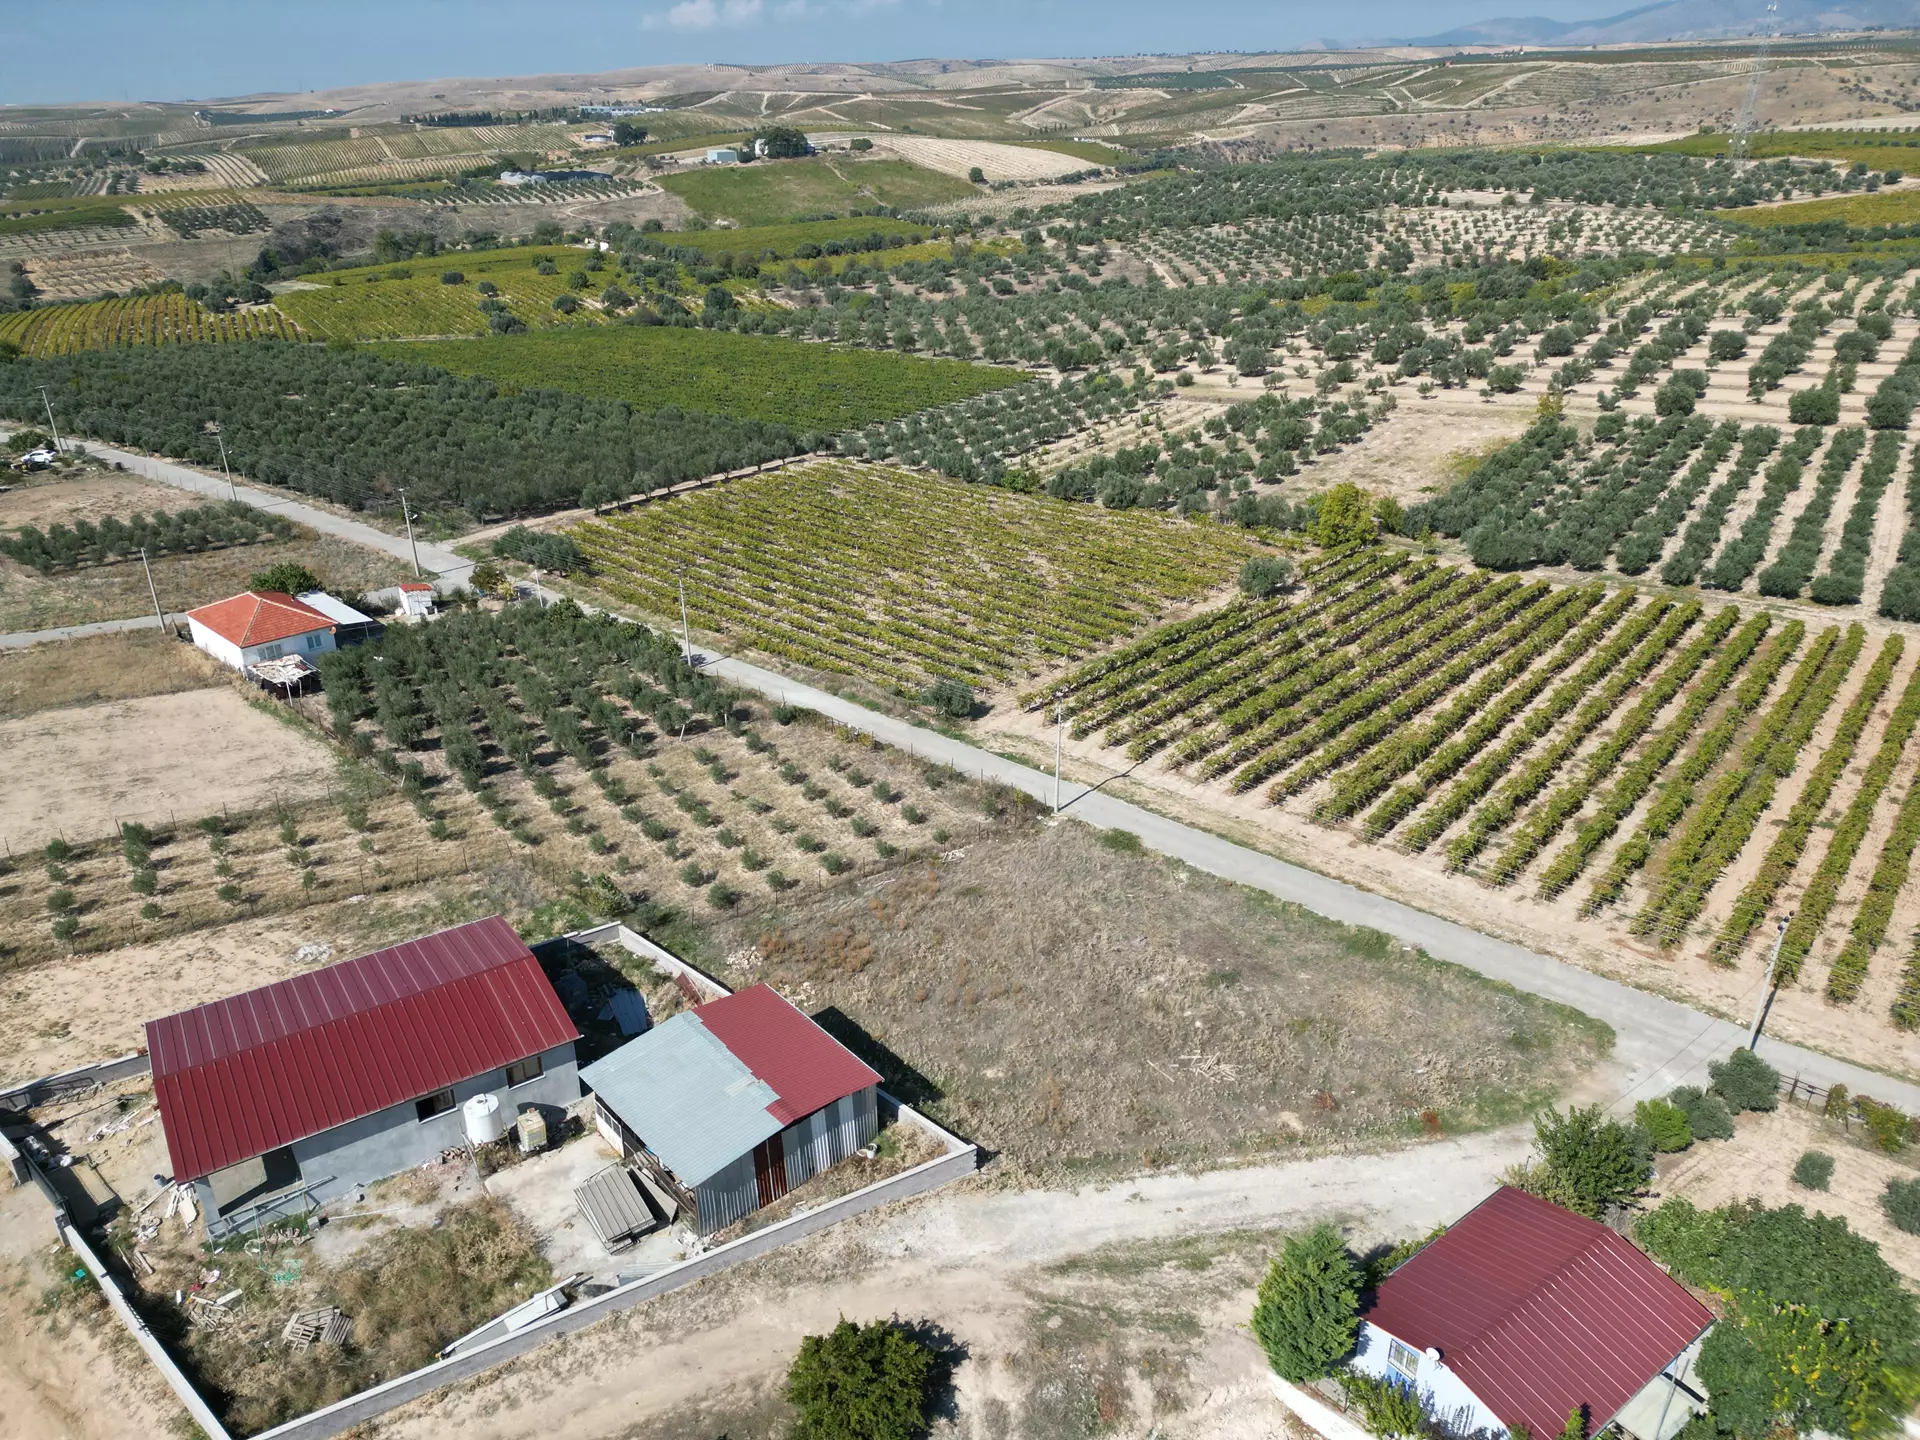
38,459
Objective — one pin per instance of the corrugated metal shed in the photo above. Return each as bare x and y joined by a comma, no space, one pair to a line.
248,1074
1538,1310
806,1067
683,1092
615,1207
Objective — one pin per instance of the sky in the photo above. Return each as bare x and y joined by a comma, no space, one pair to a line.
208,49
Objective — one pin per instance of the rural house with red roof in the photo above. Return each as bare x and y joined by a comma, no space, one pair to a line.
731,1104
285,1097
248,630
1523,1311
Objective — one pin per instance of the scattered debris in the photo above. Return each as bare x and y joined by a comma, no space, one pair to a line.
325,1326
316,954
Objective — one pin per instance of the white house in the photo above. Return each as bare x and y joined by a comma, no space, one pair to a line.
723,155
1522,1312
261,625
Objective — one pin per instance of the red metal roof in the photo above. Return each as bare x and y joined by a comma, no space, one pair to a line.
1538,1310
248,1074
259,617
806,1067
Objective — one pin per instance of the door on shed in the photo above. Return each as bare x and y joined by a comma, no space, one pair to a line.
770,1169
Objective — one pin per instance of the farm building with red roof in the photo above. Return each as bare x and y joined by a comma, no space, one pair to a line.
729,1105
287,1096
1523,1312
249,629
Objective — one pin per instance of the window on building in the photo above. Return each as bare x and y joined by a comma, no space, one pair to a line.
314,640
521,1071
437,1103
1403,1358
269,652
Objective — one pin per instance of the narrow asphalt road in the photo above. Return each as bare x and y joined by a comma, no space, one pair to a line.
20,639
1661,1043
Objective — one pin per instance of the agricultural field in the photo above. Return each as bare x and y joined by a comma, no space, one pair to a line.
784,241
378,302
1877,149
770,192
1627,773
1887,207
788,382
165,319
1049,992
902,578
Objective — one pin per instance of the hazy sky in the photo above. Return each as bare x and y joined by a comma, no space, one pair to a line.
206,49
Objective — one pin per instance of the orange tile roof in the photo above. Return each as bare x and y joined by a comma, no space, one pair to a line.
259,617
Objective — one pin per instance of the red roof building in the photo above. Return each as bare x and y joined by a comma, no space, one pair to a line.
802,1064
1526,1311
358,1069
259,617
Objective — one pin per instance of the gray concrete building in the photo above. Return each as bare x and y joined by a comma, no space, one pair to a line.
282,1098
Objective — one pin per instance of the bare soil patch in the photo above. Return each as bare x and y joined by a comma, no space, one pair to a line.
1090,1011
78,771
34,500
99,667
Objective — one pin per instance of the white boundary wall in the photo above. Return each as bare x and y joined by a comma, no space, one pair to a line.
960,1158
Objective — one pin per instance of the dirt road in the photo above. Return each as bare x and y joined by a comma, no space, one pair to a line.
965,1259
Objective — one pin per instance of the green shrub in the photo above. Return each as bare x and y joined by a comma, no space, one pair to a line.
66,927
144,882
1901,1202
59,902
57,851
1666,1123
1345,517
1124,842
861,1382
1591,1162
1308,1306
949,697
1813,1170
1707,1114
289,577
150,911
1746,1082
1887,1125
1265,575
1390,1409
722,896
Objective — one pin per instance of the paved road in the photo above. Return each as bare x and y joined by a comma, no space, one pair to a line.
448,569
20,639
1661,1043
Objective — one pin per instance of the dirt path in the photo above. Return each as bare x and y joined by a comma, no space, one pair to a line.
961,1259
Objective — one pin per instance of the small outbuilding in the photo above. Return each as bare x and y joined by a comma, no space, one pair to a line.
246,630
1522,1312
282,1098
723,155
350,627
416,599
730,1105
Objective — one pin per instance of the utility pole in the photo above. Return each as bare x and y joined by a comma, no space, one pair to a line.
50,425
1059,734
152,590
220,434
1766,990
686,629
407,515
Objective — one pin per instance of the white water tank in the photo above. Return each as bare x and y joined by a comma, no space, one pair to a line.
485,1121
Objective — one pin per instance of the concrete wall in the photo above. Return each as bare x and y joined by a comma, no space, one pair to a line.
29,1093
388,1141
960,1160
1444,1393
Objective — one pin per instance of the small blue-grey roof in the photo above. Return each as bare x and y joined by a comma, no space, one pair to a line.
687,1096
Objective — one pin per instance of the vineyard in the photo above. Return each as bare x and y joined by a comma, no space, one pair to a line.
810,387
1612,759
901,578
146,320
377,302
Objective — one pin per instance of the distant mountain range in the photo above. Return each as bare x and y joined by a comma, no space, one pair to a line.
1684,20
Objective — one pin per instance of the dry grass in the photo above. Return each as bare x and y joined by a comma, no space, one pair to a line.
1090,1010
408,1293
32,601
100,667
